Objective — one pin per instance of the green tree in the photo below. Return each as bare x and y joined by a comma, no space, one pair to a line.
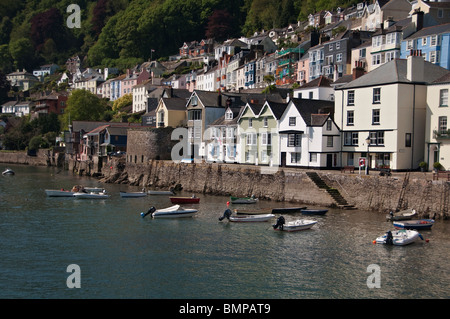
82,105
122,101
22,52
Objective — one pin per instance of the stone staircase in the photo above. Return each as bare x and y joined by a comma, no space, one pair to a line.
341,202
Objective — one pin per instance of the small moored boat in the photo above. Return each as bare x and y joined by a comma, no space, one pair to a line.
59,193
414,224
8,171
314,211
287,210
243,200
185,200
91,195
154,192
170,212
399,237
402,215
133,194
295,225
246,218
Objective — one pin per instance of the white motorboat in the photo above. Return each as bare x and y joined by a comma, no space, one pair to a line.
402,215
295,225
8,171
399,237
174,211
91,195
133,194
246,218
59,193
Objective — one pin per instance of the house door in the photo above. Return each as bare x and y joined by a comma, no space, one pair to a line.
283,159
329,160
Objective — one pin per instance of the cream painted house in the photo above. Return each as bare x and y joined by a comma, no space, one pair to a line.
437,133
382,114
171,112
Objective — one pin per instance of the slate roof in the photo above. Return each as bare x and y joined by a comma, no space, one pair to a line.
394,72
237,111
321,81
443,79
437,29
175,103
313,111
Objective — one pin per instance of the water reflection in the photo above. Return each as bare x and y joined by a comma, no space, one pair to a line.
122,255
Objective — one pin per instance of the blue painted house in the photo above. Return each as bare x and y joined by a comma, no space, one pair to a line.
433,42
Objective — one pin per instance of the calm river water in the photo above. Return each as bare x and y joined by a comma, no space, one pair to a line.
122,255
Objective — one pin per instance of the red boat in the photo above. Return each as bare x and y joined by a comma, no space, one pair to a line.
185,200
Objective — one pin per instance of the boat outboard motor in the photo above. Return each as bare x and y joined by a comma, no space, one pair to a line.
226,214
389,238
280,222
150,211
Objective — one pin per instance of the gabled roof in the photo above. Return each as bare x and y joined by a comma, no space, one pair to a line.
237,111
174,103
307,108
277,108
394,71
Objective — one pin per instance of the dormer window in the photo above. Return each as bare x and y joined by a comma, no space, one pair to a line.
229,115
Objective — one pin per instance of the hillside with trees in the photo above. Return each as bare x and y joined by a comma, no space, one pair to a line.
122,33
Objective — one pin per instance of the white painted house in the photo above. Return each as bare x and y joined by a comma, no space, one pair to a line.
437,134
309,137
382,114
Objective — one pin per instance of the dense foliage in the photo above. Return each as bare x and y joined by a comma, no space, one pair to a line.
121,33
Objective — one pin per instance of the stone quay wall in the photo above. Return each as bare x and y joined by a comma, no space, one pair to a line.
373,192
44,157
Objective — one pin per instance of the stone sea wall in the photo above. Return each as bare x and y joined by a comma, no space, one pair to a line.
376,193
44,157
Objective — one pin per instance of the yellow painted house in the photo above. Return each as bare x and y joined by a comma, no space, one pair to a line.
171,112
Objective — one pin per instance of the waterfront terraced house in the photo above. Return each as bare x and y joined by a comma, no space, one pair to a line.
382,114
437,130
203,108
223,137
258,133
171,112
309,137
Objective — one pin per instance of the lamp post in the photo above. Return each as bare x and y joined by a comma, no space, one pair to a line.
367,161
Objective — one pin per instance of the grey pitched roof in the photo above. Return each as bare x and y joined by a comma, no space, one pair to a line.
175,104
437,29
237,111
395,72
443,79
277,108
307,108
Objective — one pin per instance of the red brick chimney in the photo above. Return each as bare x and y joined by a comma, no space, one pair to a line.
358,70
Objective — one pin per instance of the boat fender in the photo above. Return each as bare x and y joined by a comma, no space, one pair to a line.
226,214
150,211
280,222
389,238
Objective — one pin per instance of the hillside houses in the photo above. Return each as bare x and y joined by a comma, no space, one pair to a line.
353,74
